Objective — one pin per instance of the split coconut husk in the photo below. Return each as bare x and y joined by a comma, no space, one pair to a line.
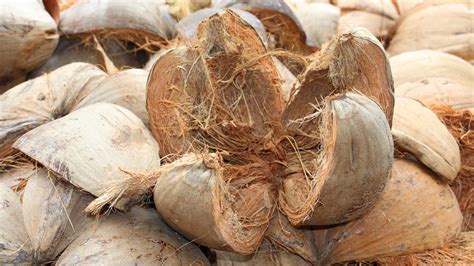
418,130
405,7
460,252
266,255
136,238
438,91
16,177
415,213
183,8
28,35
146,24
425,64
460,125
287,78
95,148
379,25
382,7
446,28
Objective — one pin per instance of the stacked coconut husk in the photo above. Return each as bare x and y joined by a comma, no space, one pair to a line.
236,132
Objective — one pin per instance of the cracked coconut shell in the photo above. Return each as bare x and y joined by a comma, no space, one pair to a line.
415,213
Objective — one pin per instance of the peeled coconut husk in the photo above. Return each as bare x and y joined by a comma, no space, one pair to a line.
446,28
52,213
417,130
438,91
139,237
146,24
379,25
183,8
28,36
460,252
424,64
319,21
287,78
382,7
266,255
95,148
401,222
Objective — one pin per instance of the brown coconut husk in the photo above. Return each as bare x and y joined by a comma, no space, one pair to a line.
459,252
138,237
438,91
146,24
424,64
446,28
460,124
379,25
29,36
417,130
94,148
400,223
184,8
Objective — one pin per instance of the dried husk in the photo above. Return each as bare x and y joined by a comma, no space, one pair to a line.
15,177
266,255
183,8
52,213
231,216
418,131
408,6
379,25
13,238
438,91
460,252
144,23
424,64
287,78
382,7
415,213
95,148
136,238
353,147
28,36
446,28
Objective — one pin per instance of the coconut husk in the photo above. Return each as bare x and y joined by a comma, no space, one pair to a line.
13,178
154,58
139,237
319,21
424,64
379,25
29,36
460,252
287,78
13,238
460,125
401,222
438,91
52,213
233,214
446,28
383,7
352,146
266,255
95,148
418,131
180,9
405,7
52,6
146,24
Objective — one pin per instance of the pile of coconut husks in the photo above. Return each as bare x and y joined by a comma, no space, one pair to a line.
236,132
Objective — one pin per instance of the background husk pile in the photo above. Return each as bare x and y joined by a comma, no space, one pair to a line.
257,132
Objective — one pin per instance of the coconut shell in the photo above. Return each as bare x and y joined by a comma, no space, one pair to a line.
95,148
438,91
383,7
288,79
401,222
12,178
406,7
231,217
144,23
379,25
183,8
52,213
424,64
28,36
353,157
418,131
446,28
136,238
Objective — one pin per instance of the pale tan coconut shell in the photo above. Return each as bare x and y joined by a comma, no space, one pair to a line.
95,148
231,217
28,36
183,8
266,255
145,23
415,213
379,25
137,238
50,213
446,28
424,64
319,21
407,6
355,159
16,248
382,7
14,177
417,130
459,252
